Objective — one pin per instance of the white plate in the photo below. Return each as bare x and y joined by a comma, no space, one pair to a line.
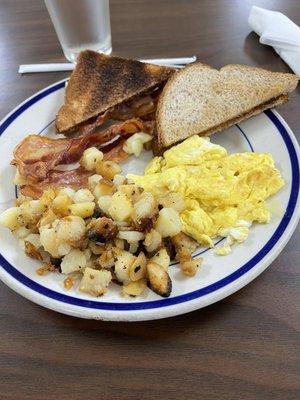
218,277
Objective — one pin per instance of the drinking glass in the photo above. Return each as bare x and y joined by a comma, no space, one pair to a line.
80,25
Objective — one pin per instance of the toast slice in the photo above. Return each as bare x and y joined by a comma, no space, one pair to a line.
202,100
100,82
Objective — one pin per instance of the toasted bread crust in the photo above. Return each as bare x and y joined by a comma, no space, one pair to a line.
268,90
100,82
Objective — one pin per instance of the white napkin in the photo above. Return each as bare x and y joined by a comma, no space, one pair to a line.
278,31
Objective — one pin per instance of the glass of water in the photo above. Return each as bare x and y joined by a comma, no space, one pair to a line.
81,25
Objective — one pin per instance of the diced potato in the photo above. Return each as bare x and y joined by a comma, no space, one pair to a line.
60,205
49,240
162,258
159,279
120,243
134,288
68,191
131,191
19,180
104,187
134,145
83,210
34,239
144,207
190,266
119,180
30,212
104,204
107,258
121,207
63,249
131,236
138,269
133,247
47,198
102,230
152,240
108,169
48,217
70,229
93,180
95,282
123,262
90,158
21,232
184,244
75,260
83,196
168,222
173,200
96,248
10,218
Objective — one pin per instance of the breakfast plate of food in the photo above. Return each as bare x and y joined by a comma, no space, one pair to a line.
135,192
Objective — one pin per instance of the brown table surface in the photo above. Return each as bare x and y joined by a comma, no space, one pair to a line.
244,347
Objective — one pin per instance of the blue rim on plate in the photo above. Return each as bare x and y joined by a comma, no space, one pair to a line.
101,305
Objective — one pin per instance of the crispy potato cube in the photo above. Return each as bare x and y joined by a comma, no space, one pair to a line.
152,240
75,260
93,180
90,158
49,241
134,289
162,258
21,232
134,144
121,207
173,200
83,210
48,217
119,180
9,218
70,229
184,244
30,212
133,247
144,207
108,169
60,205
107,258
120,243
138,269
83,196
131,236
123,262
68,191
104,187
131,191
104,203
168,222
190,266
159,279
95,282
47,198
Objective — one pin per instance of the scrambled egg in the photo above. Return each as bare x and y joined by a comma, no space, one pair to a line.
223,193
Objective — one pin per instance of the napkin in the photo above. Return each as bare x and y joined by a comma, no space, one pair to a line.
277,30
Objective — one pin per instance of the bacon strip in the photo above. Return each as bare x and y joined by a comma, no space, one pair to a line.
75,178
143,107
36,156
116,152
